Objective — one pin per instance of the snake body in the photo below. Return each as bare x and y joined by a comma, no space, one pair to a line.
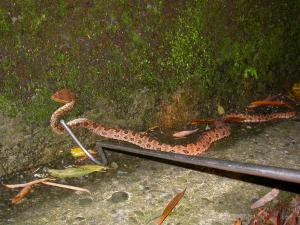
220,130
254,118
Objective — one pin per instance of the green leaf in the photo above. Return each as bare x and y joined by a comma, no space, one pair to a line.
77,171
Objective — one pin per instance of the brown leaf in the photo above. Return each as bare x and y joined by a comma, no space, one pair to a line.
66,186
295,204
291,219
265,199
275,218
170,207
267,103
26,184
238,222
24,191
184,133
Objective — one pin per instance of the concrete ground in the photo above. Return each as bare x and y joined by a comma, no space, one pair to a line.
137,190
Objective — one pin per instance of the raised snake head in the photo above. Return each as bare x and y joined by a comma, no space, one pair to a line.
63,96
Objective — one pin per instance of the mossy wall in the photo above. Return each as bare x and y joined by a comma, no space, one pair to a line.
199,53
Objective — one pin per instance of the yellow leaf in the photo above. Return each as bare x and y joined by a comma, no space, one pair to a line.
221,110
77,152
295,91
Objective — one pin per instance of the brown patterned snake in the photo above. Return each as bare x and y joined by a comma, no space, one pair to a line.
220,130
259,118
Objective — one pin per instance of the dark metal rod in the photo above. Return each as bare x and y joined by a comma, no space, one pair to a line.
277,173
78,142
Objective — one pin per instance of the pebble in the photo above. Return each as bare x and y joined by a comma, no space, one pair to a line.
114,165
119,196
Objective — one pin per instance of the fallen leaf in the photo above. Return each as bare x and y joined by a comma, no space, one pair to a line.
221,110
274,218
277,215
77,171
291,219
295,90
238,222
77,152
24,191
267,103
295,203
265,199
153,128
66,186
184,133
26,184
170,207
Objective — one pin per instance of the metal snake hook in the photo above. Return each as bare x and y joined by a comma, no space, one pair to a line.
78,142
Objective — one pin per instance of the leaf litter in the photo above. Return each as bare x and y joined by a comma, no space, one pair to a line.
171,205
27,187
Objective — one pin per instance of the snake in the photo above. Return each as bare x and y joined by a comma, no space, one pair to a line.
220,128
218,131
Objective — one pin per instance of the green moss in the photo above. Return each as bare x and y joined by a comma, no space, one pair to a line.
8,107
40,108
4,22
111,50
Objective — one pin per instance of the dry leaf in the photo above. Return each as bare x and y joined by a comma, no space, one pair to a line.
66,186
170,207
238,222
267,103
277,215
184,133
153,128
265,199
26,184
292,219
295,91
24,191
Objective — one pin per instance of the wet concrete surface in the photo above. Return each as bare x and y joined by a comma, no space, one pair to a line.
137,189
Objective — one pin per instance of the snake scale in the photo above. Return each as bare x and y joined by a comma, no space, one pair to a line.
220,130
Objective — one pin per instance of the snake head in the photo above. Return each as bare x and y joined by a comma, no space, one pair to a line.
63,96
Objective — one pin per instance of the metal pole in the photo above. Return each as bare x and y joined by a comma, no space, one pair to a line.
78,142
283,174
